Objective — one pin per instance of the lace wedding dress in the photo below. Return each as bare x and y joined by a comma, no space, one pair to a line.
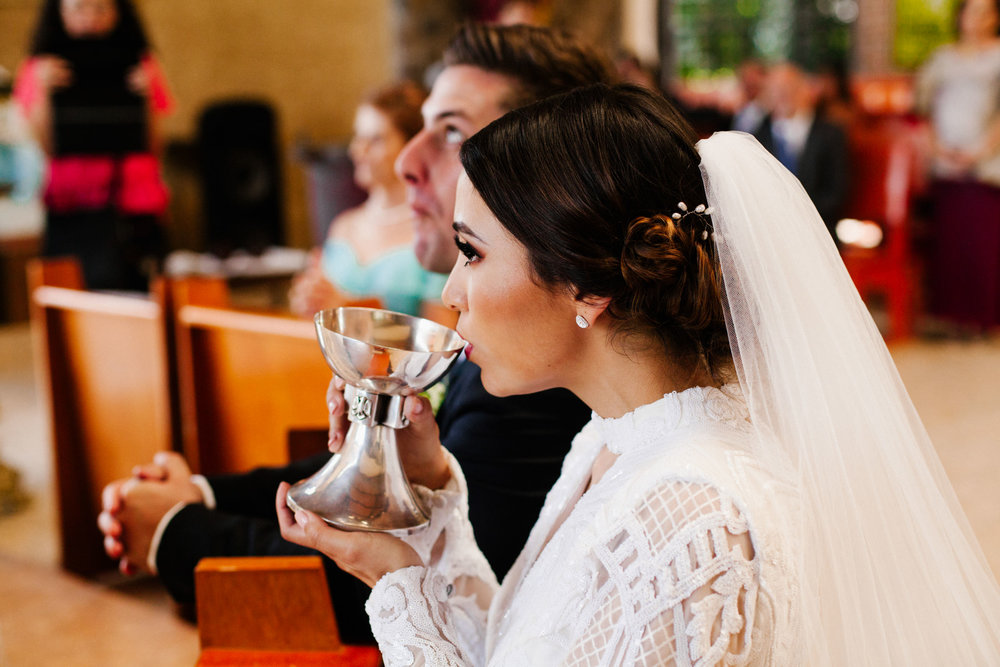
679,554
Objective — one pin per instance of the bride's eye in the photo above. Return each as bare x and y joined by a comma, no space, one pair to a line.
471,255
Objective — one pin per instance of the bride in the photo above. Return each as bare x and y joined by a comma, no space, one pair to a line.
754,487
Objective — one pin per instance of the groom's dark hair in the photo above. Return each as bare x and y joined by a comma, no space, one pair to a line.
538,61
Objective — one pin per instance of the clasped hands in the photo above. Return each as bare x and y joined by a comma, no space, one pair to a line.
369,556
132,508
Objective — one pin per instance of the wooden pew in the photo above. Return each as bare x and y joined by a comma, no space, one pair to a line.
270,611
101,362
125,376
245,379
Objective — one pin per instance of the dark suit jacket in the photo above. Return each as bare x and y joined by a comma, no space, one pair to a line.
822,167
510,449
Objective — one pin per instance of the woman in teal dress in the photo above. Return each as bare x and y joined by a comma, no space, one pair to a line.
368,250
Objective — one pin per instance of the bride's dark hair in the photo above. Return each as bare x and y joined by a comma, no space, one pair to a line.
589,182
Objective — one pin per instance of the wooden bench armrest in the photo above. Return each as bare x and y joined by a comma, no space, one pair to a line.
270,610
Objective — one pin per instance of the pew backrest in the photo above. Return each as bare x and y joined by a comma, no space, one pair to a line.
245,379
101,365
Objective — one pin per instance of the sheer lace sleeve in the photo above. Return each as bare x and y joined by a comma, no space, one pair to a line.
436,614
676,583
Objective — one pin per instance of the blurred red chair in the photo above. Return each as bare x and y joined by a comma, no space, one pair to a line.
883,175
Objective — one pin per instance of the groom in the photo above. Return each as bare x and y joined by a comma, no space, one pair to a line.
510,449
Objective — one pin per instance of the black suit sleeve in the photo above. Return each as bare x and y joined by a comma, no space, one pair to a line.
252,493
831,186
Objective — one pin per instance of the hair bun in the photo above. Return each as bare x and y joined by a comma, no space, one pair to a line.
670,273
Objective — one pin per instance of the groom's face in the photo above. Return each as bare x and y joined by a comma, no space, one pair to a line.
464,99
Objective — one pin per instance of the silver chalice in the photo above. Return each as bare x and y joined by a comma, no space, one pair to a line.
383,357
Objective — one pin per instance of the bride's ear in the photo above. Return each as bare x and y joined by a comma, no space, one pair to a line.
589,308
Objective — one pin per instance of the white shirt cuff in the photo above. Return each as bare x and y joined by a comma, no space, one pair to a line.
207,493
208,496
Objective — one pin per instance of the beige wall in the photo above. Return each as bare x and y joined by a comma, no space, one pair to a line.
312,59
17,19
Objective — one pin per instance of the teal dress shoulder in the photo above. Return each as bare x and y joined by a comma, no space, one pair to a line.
396,278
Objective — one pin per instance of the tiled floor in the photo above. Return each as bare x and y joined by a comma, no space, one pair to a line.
955,387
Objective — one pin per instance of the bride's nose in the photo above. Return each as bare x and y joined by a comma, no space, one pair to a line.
453,294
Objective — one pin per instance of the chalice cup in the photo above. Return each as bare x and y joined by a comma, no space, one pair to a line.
383,357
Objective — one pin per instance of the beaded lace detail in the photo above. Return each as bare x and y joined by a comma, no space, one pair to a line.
672,557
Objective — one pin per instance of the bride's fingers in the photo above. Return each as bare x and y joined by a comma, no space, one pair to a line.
337,407
420,449
418,410
286,519
367,556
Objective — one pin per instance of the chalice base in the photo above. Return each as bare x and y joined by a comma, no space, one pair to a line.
363,487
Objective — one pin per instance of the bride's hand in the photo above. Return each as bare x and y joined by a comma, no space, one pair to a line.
419,444
367,556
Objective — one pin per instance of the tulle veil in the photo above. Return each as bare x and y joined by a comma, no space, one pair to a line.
889,571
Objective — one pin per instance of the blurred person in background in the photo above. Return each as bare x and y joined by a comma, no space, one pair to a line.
368,251
21,168
751,76
836,102
89,91
959,90
631,69
812,148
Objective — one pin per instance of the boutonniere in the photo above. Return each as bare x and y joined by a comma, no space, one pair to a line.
435,394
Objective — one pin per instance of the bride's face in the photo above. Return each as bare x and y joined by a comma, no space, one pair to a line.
521,334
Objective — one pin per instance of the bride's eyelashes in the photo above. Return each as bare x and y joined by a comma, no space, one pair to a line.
471,254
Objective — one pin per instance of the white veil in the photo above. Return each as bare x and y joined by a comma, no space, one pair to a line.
889,571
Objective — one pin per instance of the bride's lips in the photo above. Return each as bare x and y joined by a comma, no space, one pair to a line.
468,346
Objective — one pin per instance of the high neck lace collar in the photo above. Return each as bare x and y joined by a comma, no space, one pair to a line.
676,410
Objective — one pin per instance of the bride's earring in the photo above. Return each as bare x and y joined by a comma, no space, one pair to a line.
582,322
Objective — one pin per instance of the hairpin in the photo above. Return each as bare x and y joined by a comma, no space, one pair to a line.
700,210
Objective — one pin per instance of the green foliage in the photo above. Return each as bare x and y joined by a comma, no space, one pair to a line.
921,27
713,36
